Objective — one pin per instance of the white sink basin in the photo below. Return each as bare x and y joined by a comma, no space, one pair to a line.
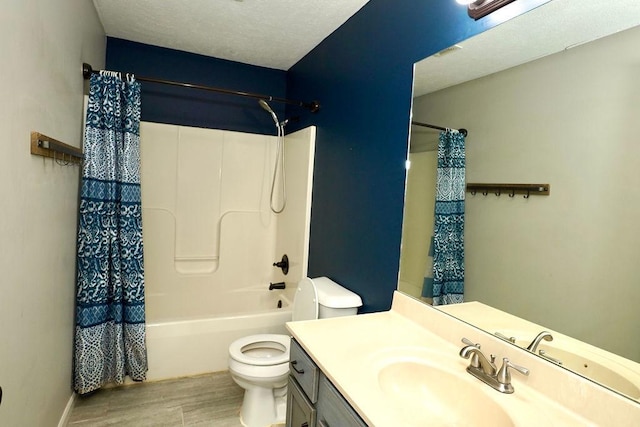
426,394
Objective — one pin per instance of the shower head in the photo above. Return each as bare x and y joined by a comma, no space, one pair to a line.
268,109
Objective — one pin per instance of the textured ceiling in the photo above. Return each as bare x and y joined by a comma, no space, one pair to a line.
551,28
269,33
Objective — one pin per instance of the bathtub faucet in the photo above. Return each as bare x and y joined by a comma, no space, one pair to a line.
279,285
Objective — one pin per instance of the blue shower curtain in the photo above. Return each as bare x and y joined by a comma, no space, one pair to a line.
448,235
110,328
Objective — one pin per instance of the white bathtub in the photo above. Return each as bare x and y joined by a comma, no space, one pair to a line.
179,347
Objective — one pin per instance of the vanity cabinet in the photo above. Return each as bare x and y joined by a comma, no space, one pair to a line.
300,410
312,400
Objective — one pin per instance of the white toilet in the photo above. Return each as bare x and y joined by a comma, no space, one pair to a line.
260,363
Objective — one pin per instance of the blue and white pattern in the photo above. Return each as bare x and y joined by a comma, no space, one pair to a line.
427,283
110,317
448,250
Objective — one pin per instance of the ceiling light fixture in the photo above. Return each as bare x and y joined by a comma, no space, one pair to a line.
479,8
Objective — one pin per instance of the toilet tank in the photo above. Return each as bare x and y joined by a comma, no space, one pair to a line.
334,300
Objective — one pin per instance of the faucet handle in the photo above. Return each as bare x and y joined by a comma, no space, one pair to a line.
546,356
512,340
467,341
504,376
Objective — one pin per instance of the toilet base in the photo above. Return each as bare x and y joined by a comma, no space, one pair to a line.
263,407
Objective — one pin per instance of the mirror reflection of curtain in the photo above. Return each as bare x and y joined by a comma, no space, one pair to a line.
427,285
447,284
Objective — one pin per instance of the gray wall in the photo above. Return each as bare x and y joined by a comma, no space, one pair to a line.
43,44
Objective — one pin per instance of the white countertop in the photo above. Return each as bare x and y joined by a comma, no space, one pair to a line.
349,350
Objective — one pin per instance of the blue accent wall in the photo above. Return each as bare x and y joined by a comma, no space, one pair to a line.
362,74
192,107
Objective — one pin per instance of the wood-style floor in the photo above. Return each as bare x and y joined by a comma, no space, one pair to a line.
206,400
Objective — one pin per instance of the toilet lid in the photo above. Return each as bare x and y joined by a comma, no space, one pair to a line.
261,349
305,302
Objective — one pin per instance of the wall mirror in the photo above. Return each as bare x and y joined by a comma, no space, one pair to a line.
551,96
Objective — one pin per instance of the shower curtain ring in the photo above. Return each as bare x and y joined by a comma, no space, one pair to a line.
527,196
473,192
513,193
485,192
497,193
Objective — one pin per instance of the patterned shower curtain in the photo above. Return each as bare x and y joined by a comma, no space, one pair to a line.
448,234
110,319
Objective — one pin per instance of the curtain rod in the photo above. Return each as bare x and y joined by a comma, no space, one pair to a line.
312,106
464,132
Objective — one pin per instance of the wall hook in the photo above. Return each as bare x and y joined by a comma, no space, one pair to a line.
485,192
498,193
473,192
527,195
513,193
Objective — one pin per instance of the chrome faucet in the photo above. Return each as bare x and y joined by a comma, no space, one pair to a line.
544,335
479,361
485,370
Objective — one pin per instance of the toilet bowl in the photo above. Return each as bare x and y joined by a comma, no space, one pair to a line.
260,363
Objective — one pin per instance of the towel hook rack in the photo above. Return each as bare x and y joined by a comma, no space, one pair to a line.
526,190
43,145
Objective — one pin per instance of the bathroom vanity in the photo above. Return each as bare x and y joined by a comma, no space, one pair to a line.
312,399
402,367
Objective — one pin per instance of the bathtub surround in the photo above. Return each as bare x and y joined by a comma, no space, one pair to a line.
110,329
211,240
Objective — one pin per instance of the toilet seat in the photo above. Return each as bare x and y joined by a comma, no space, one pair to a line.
261,349
260,363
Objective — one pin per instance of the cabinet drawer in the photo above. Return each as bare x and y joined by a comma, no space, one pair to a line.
304,371
333,410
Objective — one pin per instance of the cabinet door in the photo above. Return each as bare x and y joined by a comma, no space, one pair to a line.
300,411
333,409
